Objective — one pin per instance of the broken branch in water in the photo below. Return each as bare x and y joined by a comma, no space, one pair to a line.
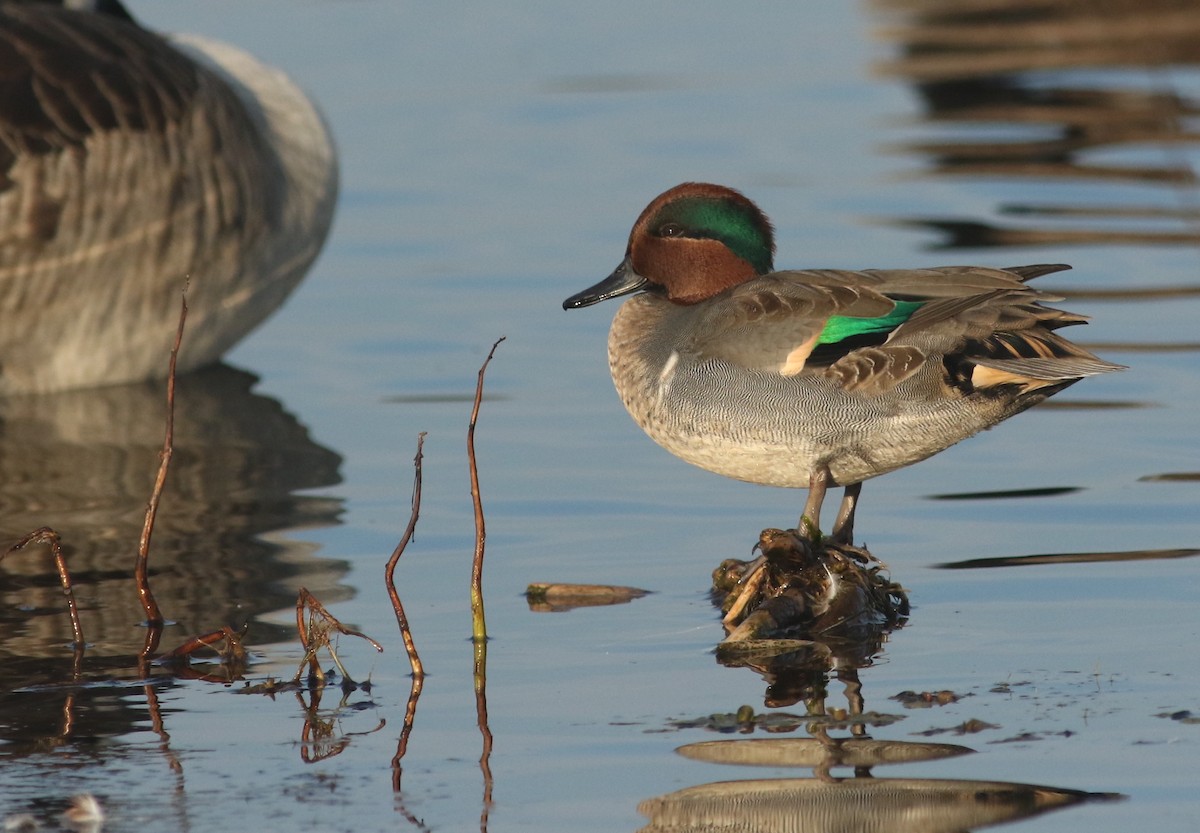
231,649
46,535
315,634
418,671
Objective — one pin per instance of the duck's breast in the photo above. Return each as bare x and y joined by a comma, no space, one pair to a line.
766,427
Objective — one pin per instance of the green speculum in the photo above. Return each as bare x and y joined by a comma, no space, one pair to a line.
839,327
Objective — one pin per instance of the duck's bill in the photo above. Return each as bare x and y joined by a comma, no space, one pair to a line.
622,281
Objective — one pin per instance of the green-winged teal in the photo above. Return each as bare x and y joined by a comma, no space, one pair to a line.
822,377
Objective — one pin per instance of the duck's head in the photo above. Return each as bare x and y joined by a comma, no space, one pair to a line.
691,243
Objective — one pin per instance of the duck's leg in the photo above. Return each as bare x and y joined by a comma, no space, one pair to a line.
843,527
818,483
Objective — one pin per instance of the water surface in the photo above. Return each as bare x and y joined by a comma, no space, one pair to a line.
493,161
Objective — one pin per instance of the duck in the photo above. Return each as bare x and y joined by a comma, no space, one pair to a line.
817,378
133,164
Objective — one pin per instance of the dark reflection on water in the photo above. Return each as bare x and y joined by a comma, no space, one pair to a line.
1048,491
1068,558
49,704
84,463
798,670
1001,78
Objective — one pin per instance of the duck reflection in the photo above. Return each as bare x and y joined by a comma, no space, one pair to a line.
859,804
84,463
1003,77
798,664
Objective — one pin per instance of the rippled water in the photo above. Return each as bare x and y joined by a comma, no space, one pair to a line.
493,161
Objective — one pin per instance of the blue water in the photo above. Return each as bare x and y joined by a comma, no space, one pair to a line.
492,162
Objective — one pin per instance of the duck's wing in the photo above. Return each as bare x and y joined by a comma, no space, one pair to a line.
985,326
956,281
775,322
873,329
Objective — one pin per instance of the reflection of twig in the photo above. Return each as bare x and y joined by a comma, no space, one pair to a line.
156,720
317,636
481,716
46,535
153,614
414,660
478,625
408,814
317,739
410,714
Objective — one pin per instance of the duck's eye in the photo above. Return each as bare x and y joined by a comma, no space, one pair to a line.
670,230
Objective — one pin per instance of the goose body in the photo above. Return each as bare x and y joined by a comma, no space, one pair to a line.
129,164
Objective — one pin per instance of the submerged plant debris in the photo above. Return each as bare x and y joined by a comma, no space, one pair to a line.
745,720
926,699
544,597
805,587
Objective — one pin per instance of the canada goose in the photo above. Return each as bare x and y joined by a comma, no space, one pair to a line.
129,163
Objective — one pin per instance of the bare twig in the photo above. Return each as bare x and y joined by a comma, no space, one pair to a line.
310,649
478,624
418,671
46,535
149,605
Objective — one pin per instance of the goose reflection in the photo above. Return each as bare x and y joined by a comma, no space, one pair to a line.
84,463
1003,78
